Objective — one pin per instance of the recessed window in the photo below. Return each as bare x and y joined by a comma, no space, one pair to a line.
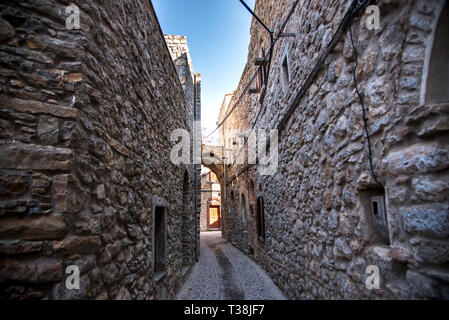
437,90
285,71
260,219
379,216
375,204
261,73
376,228
267,146
243,210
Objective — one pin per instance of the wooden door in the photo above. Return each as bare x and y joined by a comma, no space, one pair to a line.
213,219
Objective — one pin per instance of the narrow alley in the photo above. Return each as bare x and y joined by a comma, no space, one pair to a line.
225,273
224,150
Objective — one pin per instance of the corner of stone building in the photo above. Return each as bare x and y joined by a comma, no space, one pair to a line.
80,153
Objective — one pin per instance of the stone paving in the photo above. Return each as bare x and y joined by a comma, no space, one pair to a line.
225,273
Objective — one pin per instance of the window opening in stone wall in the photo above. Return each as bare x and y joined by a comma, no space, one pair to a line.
243,210
373,202
379,215
437,86
285,73
212,176
160,236
260,219
267,146
261,73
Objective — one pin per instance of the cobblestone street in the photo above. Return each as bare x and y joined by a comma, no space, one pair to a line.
224,273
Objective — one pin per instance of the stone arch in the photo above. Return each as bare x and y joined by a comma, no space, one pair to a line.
211,158
437,81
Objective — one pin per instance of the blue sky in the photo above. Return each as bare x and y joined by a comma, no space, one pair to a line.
217,32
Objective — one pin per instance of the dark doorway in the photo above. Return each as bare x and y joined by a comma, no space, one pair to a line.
160,236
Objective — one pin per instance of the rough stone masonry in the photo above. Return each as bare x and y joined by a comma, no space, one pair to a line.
85,171
321,220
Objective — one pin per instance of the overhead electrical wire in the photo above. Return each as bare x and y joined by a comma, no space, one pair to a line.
270,55
255,74
267,75
255,16
271,50
356,6
234,106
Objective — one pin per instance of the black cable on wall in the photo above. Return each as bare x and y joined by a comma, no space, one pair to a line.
364,113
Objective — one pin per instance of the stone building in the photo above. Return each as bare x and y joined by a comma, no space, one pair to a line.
210,218
323,221
191,83
86,181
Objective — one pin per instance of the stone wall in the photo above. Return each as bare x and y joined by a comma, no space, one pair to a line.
85,153
179,51
191,83
319,231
